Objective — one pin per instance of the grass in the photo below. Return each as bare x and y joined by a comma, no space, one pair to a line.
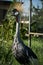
37,47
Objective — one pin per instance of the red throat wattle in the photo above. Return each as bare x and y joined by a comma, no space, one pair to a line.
16,19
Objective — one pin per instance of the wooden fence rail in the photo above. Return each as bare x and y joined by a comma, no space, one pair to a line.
35,34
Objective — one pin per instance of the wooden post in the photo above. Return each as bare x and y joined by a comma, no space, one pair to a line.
30,19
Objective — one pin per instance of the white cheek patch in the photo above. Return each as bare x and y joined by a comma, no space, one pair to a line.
16,13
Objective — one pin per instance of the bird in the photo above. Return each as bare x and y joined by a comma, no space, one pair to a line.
22,53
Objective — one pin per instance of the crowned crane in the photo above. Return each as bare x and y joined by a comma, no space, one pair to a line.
23,54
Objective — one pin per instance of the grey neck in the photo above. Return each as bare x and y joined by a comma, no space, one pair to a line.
18,27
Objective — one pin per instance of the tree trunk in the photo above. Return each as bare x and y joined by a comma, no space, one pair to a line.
30,19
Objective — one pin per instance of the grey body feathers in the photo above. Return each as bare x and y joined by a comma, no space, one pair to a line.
22,53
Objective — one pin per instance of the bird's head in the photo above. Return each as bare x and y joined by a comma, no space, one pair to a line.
15,12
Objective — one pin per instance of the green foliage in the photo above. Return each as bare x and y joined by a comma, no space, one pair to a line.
6,38
37,47
23,31
38,18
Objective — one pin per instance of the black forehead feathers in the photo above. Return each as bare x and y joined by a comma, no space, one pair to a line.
15,10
